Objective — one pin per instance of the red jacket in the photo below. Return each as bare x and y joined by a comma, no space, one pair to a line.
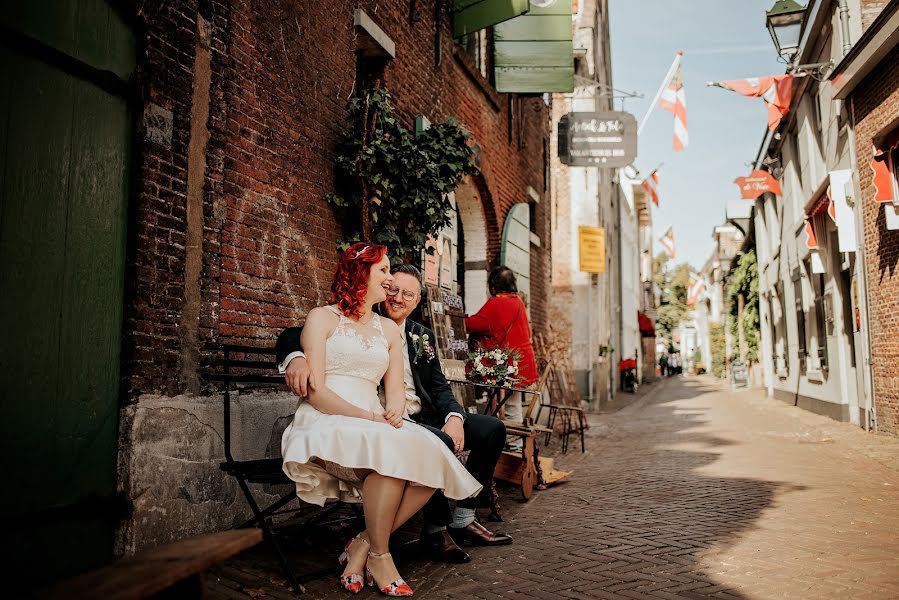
503,320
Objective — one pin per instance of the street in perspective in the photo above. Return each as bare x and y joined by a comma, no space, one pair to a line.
484,299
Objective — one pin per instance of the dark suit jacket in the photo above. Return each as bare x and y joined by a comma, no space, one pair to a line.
437,399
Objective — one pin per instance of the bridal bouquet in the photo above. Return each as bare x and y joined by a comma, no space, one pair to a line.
497,366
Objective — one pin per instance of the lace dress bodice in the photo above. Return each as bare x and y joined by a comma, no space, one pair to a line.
356,358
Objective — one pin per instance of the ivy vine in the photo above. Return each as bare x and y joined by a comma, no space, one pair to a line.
745,281
393,185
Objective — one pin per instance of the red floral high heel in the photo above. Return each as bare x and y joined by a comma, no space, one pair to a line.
354,581
398,588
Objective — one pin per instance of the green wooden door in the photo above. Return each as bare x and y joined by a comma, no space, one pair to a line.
65,134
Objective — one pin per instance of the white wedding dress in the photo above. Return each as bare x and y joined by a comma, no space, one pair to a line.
356,358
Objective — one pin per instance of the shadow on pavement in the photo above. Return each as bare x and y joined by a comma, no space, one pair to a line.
634,520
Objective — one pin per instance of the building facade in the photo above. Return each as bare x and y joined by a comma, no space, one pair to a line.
586,325
866,81
814,349
196,183
709,311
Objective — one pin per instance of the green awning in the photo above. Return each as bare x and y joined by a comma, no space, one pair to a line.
533,53
473,15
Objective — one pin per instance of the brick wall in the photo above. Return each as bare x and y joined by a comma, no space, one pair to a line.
875,103
278,87
870,10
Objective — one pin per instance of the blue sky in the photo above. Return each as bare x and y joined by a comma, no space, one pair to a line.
721,40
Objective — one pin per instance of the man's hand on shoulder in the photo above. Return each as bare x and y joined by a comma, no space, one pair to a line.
454,428
299,376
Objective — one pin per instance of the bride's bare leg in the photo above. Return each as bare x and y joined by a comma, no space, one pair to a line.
357,553
381,499
414,498
381,496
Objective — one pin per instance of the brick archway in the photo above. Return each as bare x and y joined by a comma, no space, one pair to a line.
477,229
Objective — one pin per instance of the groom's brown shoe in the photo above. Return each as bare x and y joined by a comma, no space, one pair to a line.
441,547
477,535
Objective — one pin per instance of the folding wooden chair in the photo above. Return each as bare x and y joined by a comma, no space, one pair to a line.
565,407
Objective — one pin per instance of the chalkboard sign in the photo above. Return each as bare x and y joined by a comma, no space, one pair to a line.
447,314
739,374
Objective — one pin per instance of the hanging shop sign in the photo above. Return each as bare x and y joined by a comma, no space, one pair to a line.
757,183
601,139
591,249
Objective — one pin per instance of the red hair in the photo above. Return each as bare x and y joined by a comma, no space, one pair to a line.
351,279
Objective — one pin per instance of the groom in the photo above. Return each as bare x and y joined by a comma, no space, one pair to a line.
430,402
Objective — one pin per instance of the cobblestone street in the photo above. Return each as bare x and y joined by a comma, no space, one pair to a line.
691,491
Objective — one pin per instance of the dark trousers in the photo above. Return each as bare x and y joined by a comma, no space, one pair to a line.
484,438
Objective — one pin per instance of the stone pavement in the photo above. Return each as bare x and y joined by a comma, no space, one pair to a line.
692,491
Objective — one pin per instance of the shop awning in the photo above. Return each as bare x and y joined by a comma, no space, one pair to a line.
470,16
647,328
882,164
534,53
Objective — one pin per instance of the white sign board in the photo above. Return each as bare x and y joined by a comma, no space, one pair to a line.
841,192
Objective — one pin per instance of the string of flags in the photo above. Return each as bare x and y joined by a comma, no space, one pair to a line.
672,98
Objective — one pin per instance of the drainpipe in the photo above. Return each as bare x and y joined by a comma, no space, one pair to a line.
862,279
862,272
844,26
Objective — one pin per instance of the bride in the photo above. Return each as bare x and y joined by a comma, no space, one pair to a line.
343,444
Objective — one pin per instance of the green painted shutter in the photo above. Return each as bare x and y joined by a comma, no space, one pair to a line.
533,53
515,251
473,15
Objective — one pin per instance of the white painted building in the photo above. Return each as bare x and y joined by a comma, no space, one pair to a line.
585,313
807,262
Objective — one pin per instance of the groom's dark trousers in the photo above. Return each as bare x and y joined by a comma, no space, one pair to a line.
484,435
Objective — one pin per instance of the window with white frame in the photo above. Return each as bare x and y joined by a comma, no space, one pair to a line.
475,45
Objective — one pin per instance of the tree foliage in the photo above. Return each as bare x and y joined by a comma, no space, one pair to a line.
392,184
674,284
718,347
744,280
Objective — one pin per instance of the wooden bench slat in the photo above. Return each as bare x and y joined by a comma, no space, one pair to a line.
150,572
242,363
244,377
267,350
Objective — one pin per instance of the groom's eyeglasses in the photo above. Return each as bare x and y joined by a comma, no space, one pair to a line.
407,295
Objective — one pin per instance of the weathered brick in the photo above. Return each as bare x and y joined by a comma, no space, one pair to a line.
280,79
875,104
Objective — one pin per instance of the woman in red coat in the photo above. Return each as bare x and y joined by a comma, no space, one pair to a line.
503,322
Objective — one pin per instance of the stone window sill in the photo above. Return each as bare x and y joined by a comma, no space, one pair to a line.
816,375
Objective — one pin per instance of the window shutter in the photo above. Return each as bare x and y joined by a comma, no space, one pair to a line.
534,53
515,250
470,16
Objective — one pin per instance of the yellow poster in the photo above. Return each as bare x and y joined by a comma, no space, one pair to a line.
591,249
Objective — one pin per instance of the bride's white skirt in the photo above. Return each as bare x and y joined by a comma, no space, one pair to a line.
411,453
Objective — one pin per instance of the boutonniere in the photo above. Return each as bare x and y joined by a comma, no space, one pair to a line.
423,348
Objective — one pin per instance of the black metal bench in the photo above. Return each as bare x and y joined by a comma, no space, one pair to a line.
237,367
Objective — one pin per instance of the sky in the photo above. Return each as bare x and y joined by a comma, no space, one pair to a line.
724,39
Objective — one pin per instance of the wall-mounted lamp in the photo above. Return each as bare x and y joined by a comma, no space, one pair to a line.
784,22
